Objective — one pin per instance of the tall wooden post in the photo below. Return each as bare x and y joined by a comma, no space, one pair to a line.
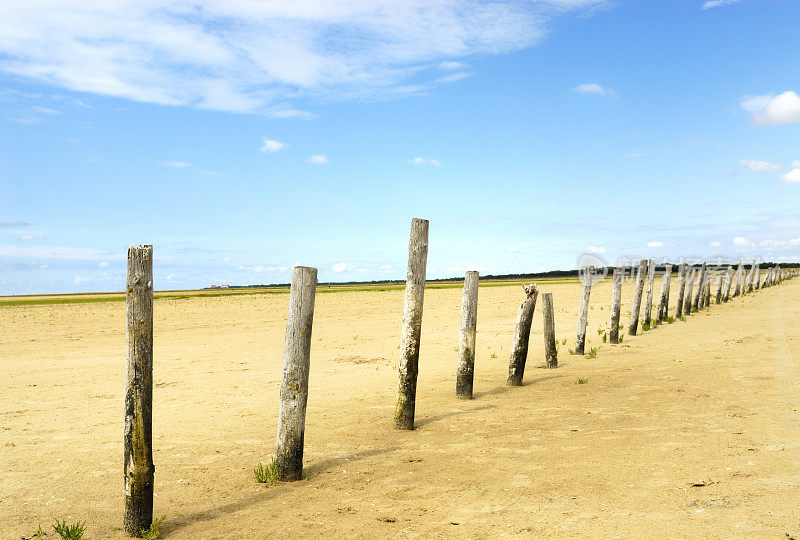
663,300
707,293
466,336
739,275
757,276
720,279
648,303
748,282
637,298
683,270
550,350
728,283
294,384
687,302
522,333
616,305
138,438
583,313
412,325
701,284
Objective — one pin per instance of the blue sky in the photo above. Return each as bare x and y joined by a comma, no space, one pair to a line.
241,138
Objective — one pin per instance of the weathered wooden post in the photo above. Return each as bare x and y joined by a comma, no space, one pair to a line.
522,334
583,313
550,351
294,384
637,298
663,300
616,304
138,438
466,337
707,292
748,283
648,303
683,270
412,325
687,301
720,279
739,275
728,282
701,284
757,276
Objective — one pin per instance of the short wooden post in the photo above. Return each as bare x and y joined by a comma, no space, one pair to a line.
720,279
648,302
294,385
683,270
637,298
550,351
739,274
707,292
616,305
522,333
138,465
701,284
663,300
412,325
583,313
728,283
687,301
757,276
466,336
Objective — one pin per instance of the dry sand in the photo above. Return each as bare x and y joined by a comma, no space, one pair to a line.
713,400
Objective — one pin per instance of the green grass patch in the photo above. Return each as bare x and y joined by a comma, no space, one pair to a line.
69,532
152,532
266,475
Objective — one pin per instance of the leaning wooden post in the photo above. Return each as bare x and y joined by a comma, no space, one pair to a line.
522,333
739,274
550,351
583,313
701,283
648,303
138,439
728,283
412,325
616,305
683,270
748,282
294,385
466,337
687,301
663,300
637,298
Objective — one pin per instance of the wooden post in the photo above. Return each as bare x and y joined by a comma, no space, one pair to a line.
522,332
637,298
294,385
663,300
466,337
616,304
583,313
720,279
707,292
412,325
687,301
748,283
701,284
138,438
550,351
757,276
683,270
728,283
648,303
739,274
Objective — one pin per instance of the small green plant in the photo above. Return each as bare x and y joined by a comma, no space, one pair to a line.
266,474
152,533
599,331
494,355
592,353
670,320
645,327
564,341
39,532
69,532
570,351
355,338
621,337
581,381
605,337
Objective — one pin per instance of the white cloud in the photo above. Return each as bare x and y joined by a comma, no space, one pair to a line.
103,264
318,159
422,161
260,269
796,164
453,77
385,268
64,253
594,88
595,249
340,267
452,65
772,110
760,166
272,146
44,110
246,56
792,177
31,237
714,244
655,244
79,280
718,3
741,241
178,164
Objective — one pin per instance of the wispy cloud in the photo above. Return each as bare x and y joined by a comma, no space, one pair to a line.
260,56
772,110
717,3
318,159
44,110
594,88
31,237
423,161
760,166
452,65
596,249
178,164
792,177
11,224
272,146
655,244
64,253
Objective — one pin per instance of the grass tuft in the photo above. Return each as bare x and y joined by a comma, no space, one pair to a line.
582,381
592,353
69,532
268,474
152,533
